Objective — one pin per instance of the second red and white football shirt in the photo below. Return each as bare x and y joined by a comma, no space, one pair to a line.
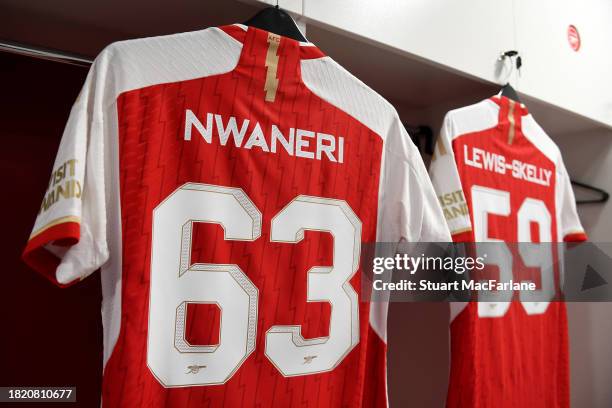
499,177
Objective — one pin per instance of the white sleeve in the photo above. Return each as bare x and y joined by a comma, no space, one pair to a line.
569,226
411,211
68,240
447,183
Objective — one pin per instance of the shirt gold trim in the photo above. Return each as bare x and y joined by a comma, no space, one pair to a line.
57,221
461,231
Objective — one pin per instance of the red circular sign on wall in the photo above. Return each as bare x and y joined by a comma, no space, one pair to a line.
573,37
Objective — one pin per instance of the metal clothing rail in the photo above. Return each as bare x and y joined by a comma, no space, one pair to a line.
44,53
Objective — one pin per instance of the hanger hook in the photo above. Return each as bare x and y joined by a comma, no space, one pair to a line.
510,54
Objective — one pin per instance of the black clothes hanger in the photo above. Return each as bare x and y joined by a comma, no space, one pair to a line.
603,194
507,90
277,21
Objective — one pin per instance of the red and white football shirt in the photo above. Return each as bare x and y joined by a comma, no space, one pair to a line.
224,180
499,177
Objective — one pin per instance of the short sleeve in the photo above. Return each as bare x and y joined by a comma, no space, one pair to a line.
68,240
447,184
570,228
412,210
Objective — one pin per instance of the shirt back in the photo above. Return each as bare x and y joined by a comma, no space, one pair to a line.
500,178
224,180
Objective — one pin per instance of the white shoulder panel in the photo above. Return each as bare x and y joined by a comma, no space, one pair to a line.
334,84
473,118
536,135
138,63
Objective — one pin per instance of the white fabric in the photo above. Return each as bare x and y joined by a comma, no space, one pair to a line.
82,144
567,215
443,168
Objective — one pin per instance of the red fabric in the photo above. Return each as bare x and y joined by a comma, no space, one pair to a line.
155,160
310,52
516,360
575,237
466,236
43,261
306,51
238,33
